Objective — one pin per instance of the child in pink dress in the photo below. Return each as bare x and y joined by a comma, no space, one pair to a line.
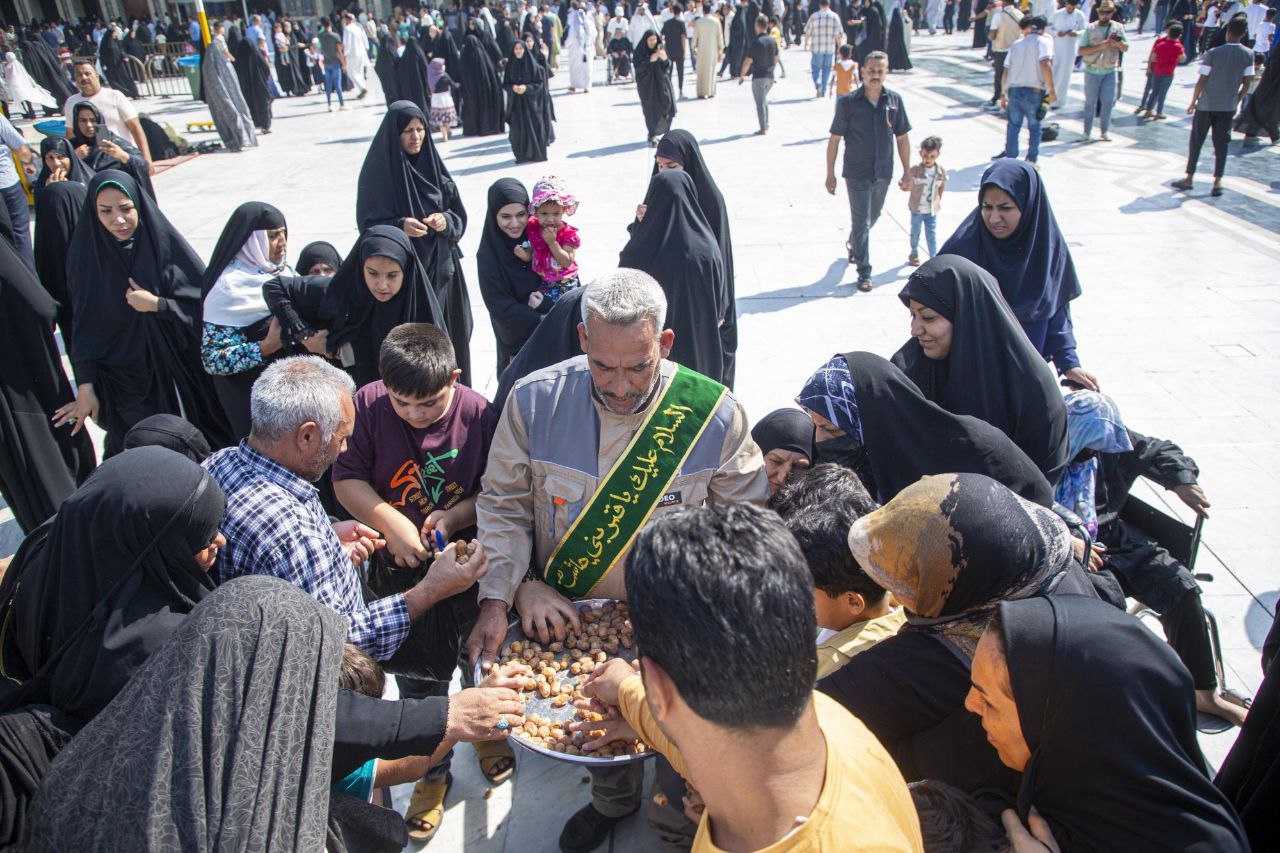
553,243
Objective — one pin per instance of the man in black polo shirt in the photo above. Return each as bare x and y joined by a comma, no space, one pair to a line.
674,39
870,120
762,55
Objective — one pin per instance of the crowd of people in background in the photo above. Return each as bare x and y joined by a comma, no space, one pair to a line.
920,566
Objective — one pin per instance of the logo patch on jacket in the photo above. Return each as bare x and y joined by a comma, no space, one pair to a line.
670,499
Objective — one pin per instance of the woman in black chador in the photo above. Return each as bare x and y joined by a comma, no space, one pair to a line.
405,184
653,83
526,120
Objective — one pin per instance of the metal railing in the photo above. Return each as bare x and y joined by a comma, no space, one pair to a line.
160,75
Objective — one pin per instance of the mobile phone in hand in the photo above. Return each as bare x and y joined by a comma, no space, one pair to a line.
100,135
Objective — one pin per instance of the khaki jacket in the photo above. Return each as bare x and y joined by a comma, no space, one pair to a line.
554,444
1007,29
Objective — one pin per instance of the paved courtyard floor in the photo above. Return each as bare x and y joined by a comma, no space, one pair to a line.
1180,316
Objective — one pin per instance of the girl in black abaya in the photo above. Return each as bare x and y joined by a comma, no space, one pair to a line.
674,244
111,57
379,286
1047,666
896,42
255,83
679,150
481,90
505,280
874,420
385,67
40,464
526,120
411,76
405,184
111,153
58,208
240,336
533,46
131,271
653,84
875,32
969,355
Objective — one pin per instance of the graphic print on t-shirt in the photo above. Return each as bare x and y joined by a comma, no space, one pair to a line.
425,486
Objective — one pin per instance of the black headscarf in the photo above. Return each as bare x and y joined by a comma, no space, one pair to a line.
315,253
653,85
526,113
1033,265
788,429
234,38
40,464
255,82
555,340
222,741
992,372
392,186
361,320
137,361
505,280
482,112
1135,781
674,244
94,593
169,431
111,57
79,172
896,41
411,78
101,161
904,437
680,146
58,207
244,220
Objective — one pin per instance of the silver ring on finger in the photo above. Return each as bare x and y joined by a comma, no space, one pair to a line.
502,725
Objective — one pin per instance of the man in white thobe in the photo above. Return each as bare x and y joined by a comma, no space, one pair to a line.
708,48
355,44
1067,25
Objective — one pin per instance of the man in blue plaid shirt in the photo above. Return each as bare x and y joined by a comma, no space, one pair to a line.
302,415
822,36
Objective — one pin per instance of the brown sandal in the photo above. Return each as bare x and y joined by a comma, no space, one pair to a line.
492,754
426,808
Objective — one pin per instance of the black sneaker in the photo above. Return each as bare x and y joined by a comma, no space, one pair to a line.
586,830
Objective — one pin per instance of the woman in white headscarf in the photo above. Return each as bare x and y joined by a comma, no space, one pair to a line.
578,48
240,336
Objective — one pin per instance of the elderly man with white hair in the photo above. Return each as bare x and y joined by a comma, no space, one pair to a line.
302,414
586,453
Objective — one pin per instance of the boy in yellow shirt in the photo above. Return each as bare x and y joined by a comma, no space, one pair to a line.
721,604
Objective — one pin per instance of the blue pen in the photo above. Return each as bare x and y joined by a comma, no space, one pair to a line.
440,543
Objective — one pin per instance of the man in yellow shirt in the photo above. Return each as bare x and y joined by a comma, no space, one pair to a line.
721,604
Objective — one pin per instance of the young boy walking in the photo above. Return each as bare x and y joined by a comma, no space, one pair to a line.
925,181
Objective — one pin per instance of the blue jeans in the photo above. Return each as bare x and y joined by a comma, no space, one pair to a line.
1154,100
1023,104
820,64
15,201
929,221
332,83
1099,89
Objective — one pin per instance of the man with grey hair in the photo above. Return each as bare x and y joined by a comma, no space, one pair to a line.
302,414
621,435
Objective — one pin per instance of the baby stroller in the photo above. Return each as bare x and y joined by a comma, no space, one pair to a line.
619,65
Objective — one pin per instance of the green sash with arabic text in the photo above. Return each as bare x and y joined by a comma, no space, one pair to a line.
606,527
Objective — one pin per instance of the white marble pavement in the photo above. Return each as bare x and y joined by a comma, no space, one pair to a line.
1179,317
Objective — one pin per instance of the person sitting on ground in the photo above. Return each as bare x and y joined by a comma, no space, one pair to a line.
785,437
1046,666
948,548
703,585
302,416
1107,458
854,611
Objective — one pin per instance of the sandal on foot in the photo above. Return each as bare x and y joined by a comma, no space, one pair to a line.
1216,191
864,284
426,808
1235,697
497,761
1182,184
